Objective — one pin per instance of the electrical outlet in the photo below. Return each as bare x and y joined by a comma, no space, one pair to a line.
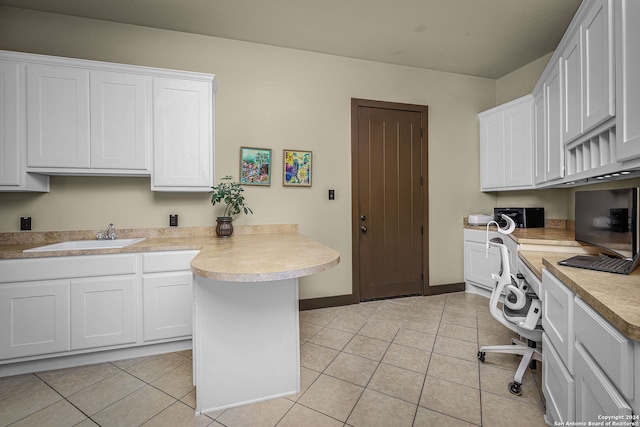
25,223
173,220
332,194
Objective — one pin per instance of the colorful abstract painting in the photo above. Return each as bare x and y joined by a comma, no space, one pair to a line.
255,166
297,168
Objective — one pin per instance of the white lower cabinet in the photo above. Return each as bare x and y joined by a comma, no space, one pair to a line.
478,263
73,305
168,302
34,318
103,311
588,364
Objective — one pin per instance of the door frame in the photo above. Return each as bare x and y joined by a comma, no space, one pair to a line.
356,103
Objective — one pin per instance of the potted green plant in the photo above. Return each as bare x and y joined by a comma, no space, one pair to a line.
228,192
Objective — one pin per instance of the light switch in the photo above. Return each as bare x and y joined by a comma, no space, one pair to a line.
332,194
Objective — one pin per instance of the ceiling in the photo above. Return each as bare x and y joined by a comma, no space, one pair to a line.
485,38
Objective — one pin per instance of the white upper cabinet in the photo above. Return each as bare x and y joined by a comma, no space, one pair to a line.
182,135
57,116
588,72
539,147
627,82
506,145
554,150
119,121
65,116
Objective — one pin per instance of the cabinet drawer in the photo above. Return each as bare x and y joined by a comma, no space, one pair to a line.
557,316
611,350
558,385
157,262
22,270
595,395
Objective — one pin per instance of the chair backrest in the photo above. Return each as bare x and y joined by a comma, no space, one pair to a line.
503,279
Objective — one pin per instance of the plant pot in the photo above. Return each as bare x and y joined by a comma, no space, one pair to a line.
224,227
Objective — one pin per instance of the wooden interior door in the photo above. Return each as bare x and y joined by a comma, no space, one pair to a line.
389,205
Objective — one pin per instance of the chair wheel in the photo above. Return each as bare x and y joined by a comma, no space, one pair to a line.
515,388
481,355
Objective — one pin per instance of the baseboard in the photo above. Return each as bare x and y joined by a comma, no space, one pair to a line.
340,300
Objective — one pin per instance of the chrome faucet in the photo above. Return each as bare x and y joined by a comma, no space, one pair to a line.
109,233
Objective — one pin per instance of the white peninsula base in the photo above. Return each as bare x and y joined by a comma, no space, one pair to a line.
246,342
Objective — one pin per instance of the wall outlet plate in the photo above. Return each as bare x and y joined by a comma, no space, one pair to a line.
173,220
25,223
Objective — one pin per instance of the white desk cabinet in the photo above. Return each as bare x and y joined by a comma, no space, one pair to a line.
478,268
506,145
182,134
627,16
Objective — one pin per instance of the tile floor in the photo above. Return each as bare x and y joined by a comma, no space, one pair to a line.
400,362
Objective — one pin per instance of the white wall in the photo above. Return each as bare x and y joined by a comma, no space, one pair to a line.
274,98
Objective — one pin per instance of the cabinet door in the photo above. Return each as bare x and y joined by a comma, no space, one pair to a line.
492,146
34,318
557,316
627,81
539,138
597,64
57,116
554,160
558,385
9,142
168,305
595,395
103,311
183,135
478,268
571,65
518,122
119,117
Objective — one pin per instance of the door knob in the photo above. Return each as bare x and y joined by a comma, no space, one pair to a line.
363,229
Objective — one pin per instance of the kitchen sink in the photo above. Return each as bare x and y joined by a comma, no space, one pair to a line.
79,245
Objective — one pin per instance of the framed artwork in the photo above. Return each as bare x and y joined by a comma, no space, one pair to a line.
297,168
255,166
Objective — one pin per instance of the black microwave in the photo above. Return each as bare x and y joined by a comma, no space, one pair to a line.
523,217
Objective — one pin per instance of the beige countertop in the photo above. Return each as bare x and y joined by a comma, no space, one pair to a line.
252,254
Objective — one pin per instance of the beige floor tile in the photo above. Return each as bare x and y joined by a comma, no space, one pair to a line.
428,418
451,399
397,382
376,409
189,399
261,414
464,319
106,392
308,330
458,332
320,317
185,353
415,339
348,322
307,377
495,380
405,357
354,369
153,367
390,316
61,413
331,338
453,369
71,380
135,409
10,386
381,330
86,423
422,324
302,416
178,382
331,396
34,398
487,321
316,357
370,348
456,348
178,414
498,411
